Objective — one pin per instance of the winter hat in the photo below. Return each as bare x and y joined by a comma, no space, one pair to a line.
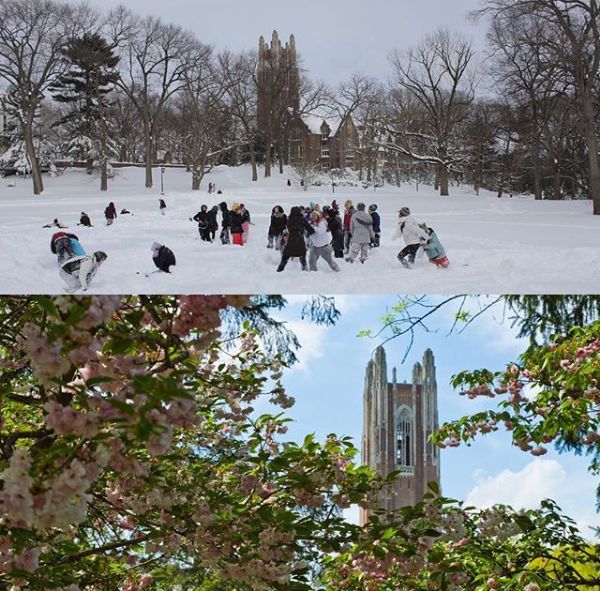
100,256
155,246
361,206
405,211
373,207
204,207
334,205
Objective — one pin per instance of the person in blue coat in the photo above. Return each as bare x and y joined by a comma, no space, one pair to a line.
433,248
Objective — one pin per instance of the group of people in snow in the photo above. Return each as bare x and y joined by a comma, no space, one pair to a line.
306,233
321,232
77,269
235,223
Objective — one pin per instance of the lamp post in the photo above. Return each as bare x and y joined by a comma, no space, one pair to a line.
162,186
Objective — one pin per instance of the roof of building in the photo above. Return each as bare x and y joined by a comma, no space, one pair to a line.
314,122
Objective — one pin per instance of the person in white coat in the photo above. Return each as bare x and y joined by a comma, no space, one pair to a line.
414,236
78,272
320,243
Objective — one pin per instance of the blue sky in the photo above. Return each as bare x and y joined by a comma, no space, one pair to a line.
328,386
334,37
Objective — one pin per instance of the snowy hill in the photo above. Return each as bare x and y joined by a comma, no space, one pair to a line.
494,245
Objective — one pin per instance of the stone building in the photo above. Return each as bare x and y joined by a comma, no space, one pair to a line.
323,142
398,420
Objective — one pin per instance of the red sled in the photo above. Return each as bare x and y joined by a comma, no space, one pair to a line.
237,239
441,262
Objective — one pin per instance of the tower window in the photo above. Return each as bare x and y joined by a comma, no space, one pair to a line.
404,455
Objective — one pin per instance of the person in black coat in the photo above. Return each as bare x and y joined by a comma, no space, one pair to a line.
277,227
225,223
213,225
84,220
203,223
376,224
236,224
336,227
163,257
295,245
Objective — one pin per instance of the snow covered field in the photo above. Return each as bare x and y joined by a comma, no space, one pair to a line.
494,245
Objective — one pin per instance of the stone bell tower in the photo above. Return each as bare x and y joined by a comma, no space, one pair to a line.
278,79
398,420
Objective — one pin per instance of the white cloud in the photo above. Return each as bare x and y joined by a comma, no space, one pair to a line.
540,479
311,338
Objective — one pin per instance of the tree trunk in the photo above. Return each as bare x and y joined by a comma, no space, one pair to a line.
36,172
280,155
148,162
537,173
436,183
592,146
196,180
444,190
268,151
104,175
253,161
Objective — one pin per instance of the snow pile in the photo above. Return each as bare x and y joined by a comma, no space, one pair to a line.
494,245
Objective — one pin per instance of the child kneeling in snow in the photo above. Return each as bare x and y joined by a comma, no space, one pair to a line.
433,248
78,272
163,256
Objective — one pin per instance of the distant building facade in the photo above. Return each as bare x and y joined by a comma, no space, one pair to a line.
398,420
323,142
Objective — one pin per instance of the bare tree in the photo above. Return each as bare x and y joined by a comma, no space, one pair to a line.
525,73
239,73
154,59
573,45
362,98
437,74
33,34
204,115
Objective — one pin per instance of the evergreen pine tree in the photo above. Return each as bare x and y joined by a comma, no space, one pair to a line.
87,86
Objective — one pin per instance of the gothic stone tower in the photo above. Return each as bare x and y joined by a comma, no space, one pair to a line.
278,80
398,420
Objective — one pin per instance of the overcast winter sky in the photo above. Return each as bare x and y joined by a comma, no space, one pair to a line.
334,37
328,387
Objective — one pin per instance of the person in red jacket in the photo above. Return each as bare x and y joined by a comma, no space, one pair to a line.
349,211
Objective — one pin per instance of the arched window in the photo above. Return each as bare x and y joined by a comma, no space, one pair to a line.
404,437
